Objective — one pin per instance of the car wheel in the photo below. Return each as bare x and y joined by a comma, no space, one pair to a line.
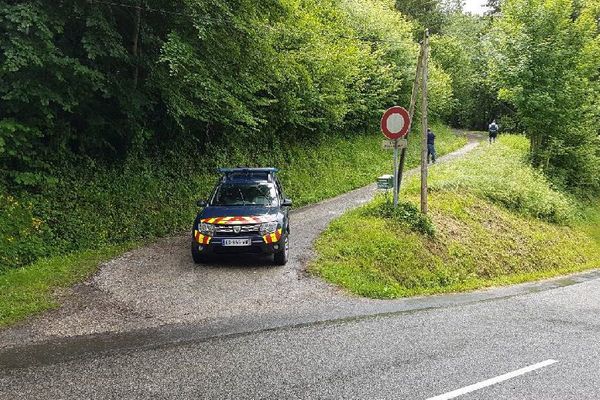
281,257
196,255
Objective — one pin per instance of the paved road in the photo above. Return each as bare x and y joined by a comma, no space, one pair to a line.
411,355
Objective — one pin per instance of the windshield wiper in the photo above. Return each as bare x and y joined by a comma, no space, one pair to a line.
242,196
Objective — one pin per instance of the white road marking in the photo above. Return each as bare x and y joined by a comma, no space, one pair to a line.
492,381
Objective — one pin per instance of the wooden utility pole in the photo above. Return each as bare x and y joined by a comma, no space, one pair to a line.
424,158
411,111
135,42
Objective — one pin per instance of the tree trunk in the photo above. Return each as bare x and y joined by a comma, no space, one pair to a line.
135,42
536,142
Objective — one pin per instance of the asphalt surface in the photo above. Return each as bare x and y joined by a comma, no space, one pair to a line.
153,325
411,355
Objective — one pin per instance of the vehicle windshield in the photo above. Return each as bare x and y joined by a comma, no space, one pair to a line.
259,194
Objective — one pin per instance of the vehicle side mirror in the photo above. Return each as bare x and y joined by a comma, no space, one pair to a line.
201,203
287,203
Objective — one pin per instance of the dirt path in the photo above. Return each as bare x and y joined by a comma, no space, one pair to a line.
159,286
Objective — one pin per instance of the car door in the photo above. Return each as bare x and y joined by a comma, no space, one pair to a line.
284,210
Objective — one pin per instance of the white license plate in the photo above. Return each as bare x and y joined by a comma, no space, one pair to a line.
237,242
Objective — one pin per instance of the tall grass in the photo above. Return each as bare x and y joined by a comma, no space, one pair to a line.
497,221
500,173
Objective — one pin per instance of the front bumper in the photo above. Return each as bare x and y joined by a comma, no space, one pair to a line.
268,244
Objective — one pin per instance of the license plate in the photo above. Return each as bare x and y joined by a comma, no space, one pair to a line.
237,242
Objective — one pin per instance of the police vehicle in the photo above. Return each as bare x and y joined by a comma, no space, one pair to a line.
247,212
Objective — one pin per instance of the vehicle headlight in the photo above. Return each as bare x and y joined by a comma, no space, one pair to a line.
206,229
268,227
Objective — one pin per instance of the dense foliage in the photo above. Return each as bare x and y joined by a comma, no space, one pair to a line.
547,67
103,80
122,105
533,65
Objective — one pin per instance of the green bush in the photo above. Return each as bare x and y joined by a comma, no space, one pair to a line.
405,215
23,237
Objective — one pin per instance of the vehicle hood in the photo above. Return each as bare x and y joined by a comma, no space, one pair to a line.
262,214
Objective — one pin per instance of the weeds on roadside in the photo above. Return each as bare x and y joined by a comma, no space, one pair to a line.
406,215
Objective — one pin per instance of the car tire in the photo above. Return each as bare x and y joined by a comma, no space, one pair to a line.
196,255
281,257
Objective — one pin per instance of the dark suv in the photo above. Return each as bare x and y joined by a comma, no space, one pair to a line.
247,212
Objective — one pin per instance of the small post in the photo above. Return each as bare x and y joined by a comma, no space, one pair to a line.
424,160
396,186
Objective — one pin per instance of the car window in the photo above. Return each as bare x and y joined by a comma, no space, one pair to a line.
242,195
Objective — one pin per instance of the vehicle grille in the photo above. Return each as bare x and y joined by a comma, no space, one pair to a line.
228,230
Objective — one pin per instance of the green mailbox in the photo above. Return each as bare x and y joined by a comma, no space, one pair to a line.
385,182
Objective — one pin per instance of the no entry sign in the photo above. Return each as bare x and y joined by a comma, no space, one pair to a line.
395,123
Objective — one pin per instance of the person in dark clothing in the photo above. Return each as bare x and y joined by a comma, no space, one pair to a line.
430,145
493,129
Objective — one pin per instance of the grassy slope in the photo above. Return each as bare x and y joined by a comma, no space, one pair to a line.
95,215
590,222
497,222
342,165
26,291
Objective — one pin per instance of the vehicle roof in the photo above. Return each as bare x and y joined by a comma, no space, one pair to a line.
248,170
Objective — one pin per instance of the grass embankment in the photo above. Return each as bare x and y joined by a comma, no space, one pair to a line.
27,291
497,221
92,212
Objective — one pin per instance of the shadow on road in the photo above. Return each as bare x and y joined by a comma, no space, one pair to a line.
238,261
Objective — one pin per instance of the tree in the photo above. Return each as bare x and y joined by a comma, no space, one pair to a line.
547,67
494,7
461,51
427,14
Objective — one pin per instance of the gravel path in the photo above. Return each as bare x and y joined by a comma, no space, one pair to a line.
158,286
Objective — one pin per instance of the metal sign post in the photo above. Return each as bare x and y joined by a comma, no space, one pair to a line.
395,173
395,124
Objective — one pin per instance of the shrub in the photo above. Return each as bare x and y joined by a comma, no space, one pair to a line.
22,236
405,215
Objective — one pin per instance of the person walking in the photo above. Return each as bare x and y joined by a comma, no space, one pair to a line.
430,145
493,129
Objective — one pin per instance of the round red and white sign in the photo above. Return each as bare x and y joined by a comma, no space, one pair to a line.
395,123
